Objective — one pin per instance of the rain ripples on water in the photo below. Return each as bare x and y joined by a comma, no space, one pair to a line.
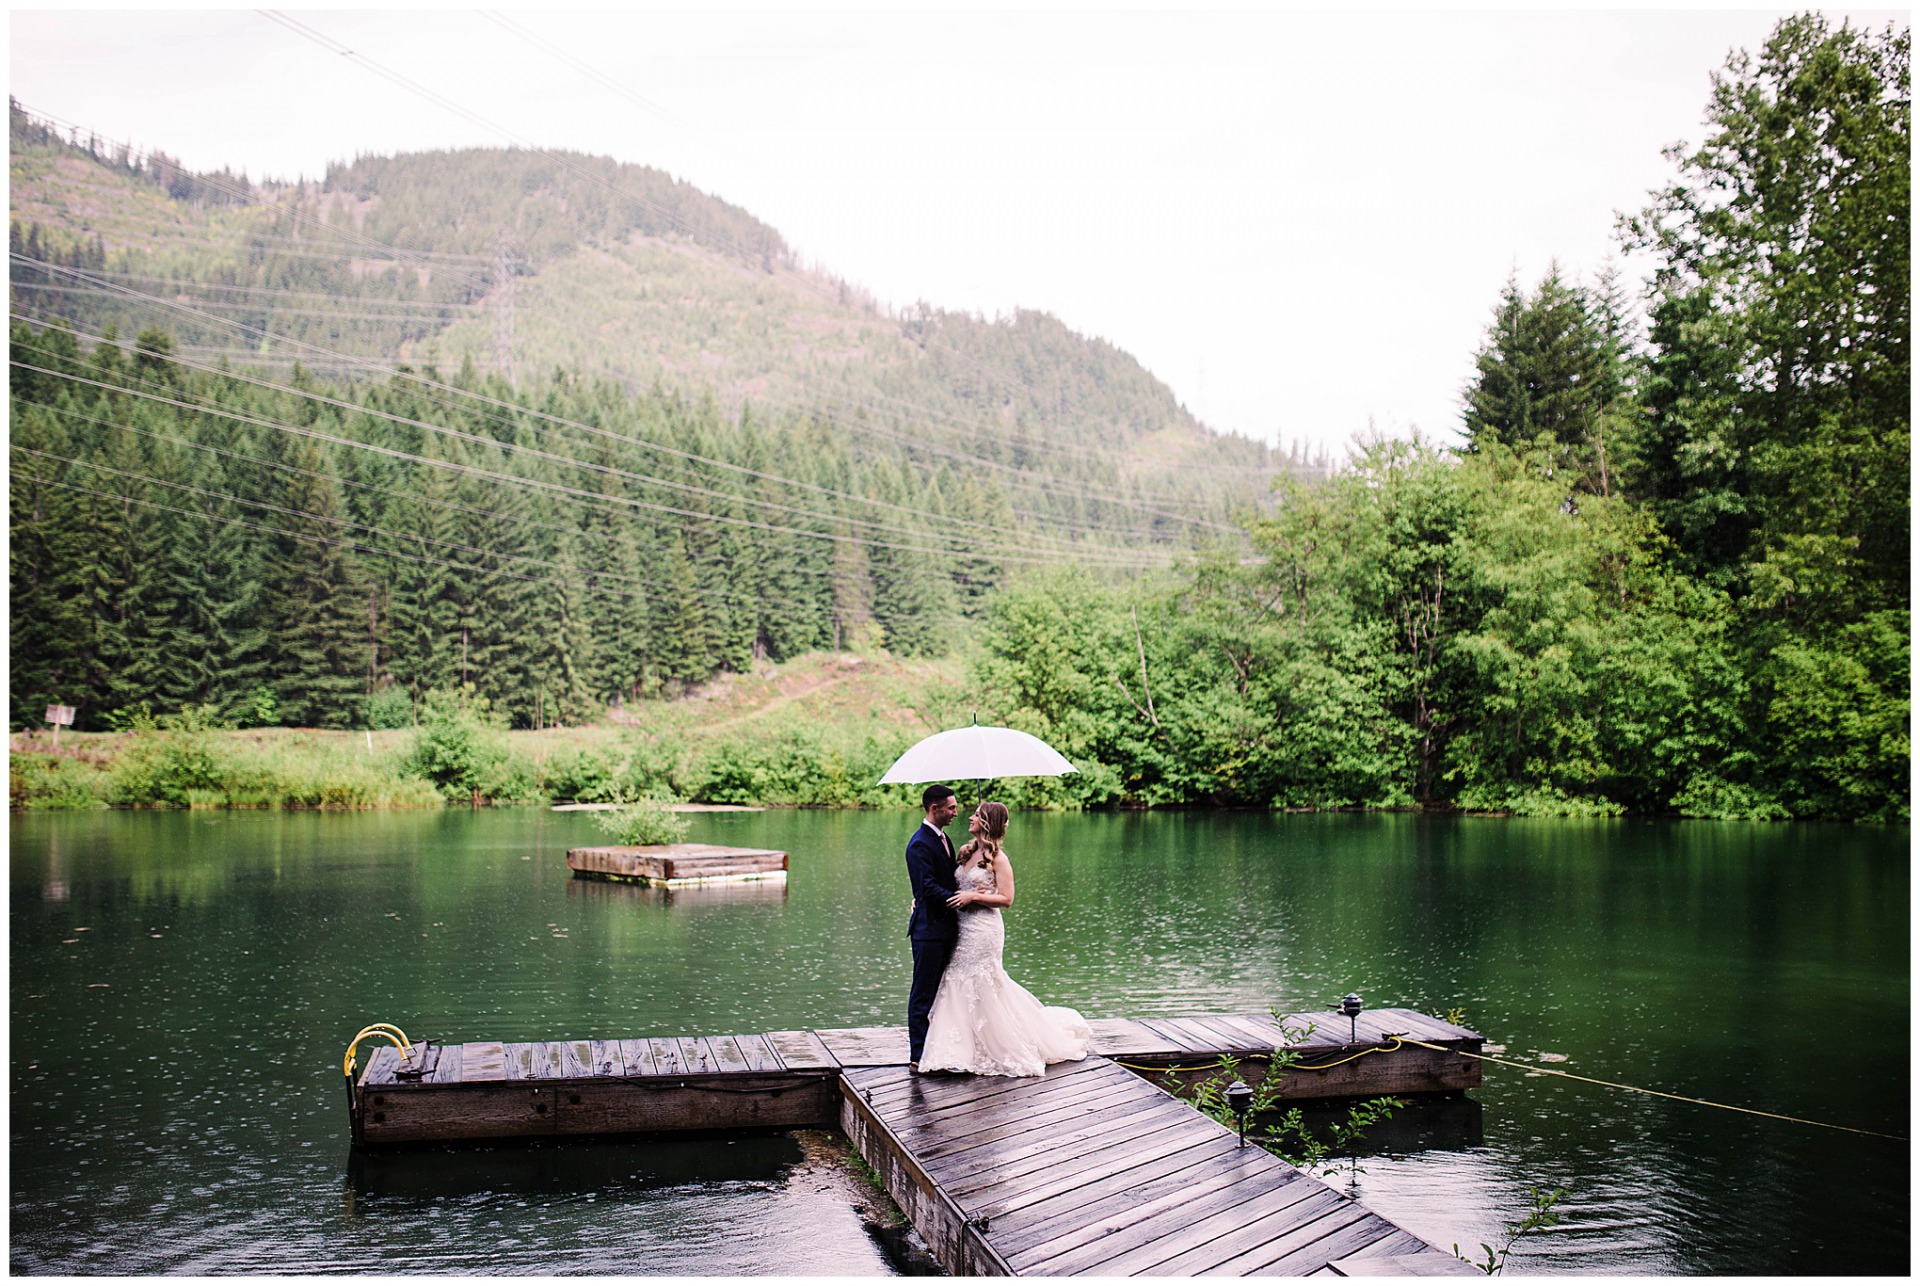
182,986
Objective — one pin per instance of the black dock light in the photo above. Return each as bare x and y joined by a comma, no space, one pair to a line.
1350,1006
1239,1099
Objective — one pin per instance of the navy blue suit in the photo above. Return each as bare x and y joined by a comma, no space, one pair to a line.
933,928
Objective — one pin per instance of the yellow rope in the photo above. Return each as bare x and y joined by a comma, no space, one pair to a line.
1681,1098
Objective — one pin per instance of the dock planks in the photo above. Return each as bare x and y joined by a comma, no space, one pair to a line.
1093,1168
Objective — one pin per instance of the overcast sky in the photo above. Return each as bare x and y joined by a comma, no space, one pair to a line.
1299,219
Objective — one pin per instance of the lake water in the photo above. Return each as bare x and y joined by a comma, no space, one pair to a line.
183,986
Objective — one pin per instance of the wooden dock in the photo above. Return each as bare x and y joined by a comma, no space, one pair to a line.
678,865
1092,1168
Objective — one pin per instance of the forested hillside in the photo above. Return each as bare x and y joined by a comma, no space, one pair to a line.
565,430
529,264
1668,570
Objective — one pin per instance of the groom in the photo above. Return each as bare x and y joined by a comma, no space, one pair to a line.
934,927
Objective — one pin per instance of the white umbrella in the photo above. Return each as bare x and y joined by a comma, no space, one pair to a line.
975,753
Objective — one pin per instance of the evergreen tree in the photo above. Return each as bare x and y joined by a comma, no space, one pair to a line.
1776,447
317,601
1549,377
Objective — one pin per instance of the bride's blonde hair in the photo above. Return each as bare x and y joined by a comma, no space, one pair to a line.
993,816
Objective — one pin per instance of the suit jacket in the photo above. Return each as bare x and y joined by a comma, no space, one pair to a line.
930,868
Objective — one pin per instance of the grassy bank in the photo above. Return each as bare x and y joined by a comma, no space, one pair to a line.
818,731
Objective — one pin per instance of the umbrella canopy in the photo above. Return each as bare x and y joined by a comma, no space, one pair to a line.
967,754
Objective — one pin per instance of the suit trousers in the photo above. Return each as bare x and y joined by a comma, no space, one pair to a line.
930,956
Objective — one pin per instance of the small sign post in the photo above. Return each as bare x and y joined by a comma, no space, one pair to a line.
57,715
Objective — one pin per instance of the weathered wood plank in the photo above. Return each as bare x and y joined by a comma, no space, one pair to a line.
666,1056
1214,1184
1181,1035
1281,1233
865,1046
1293,1211
934,1100
1425,1262
605,1058
543,1060
1136,1247
1164,1176
484,1060
1170,1137
1315,1025
380,1064
1263,1033
1062,1119
941,1092
758,1054
576,1059
448,1070
1350,1239
778,1101
962,1144
636,1058
802,1050
726,1054
1126,1038
1227,1038
1045,1141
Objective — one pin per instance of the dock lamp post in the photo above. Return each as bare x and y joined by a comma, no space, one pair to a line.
1350,1006
1239,1099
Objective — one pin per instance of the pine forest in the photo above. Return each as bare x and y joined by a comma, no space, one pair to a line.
525,438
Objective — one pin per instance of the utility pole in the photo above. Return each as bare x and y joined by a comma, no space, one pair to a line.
503,311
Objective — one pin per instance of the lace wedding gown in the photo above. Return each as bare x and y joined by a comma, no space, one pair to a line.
983,1021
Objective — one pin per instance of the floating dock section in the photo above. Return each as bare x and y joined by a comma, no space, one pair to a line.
1092,1168
678,865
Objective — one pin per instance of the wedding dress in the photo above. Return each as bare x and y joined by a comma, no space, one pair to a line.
983,1021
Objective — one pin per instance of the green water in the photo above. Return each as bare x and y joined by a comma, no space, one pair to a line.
183,985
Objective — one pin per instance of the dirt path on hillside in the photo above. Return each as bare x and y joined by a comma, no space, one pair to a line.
819,683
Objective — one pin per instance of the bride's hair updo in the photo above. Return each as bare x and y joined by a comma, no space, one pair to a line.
993,818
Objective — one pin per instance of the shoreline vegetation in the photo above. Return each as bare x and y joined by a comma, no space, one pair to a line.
817,732
1665,572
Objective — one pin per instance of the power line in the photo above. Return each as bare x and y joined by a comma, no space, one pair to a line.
283,466
565,162
532,483
523,411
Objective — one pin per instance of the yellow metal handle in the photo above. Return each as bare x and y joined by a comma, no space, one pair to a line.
386,1031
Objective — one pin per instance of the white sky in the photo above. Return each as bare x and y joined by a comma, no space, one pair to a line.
1299,219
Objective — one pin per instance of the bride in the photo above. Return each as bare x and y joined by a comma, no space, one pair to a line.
982,1020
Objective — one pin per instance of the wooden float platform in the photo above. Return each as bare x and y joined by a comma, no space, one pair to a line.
664,1084
1093,1168
677,865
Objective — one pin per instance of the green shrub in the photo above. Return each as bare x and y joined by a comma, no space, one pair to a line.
164,763
390,707
55,781
457,747
644,821
581,777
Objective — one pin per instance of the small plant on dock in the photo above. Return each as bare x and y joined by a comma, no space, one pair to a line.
1540,1215
649,819
1285,1134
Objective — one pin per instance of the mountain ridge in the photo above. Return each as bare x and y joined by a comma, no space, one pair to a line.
612,270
